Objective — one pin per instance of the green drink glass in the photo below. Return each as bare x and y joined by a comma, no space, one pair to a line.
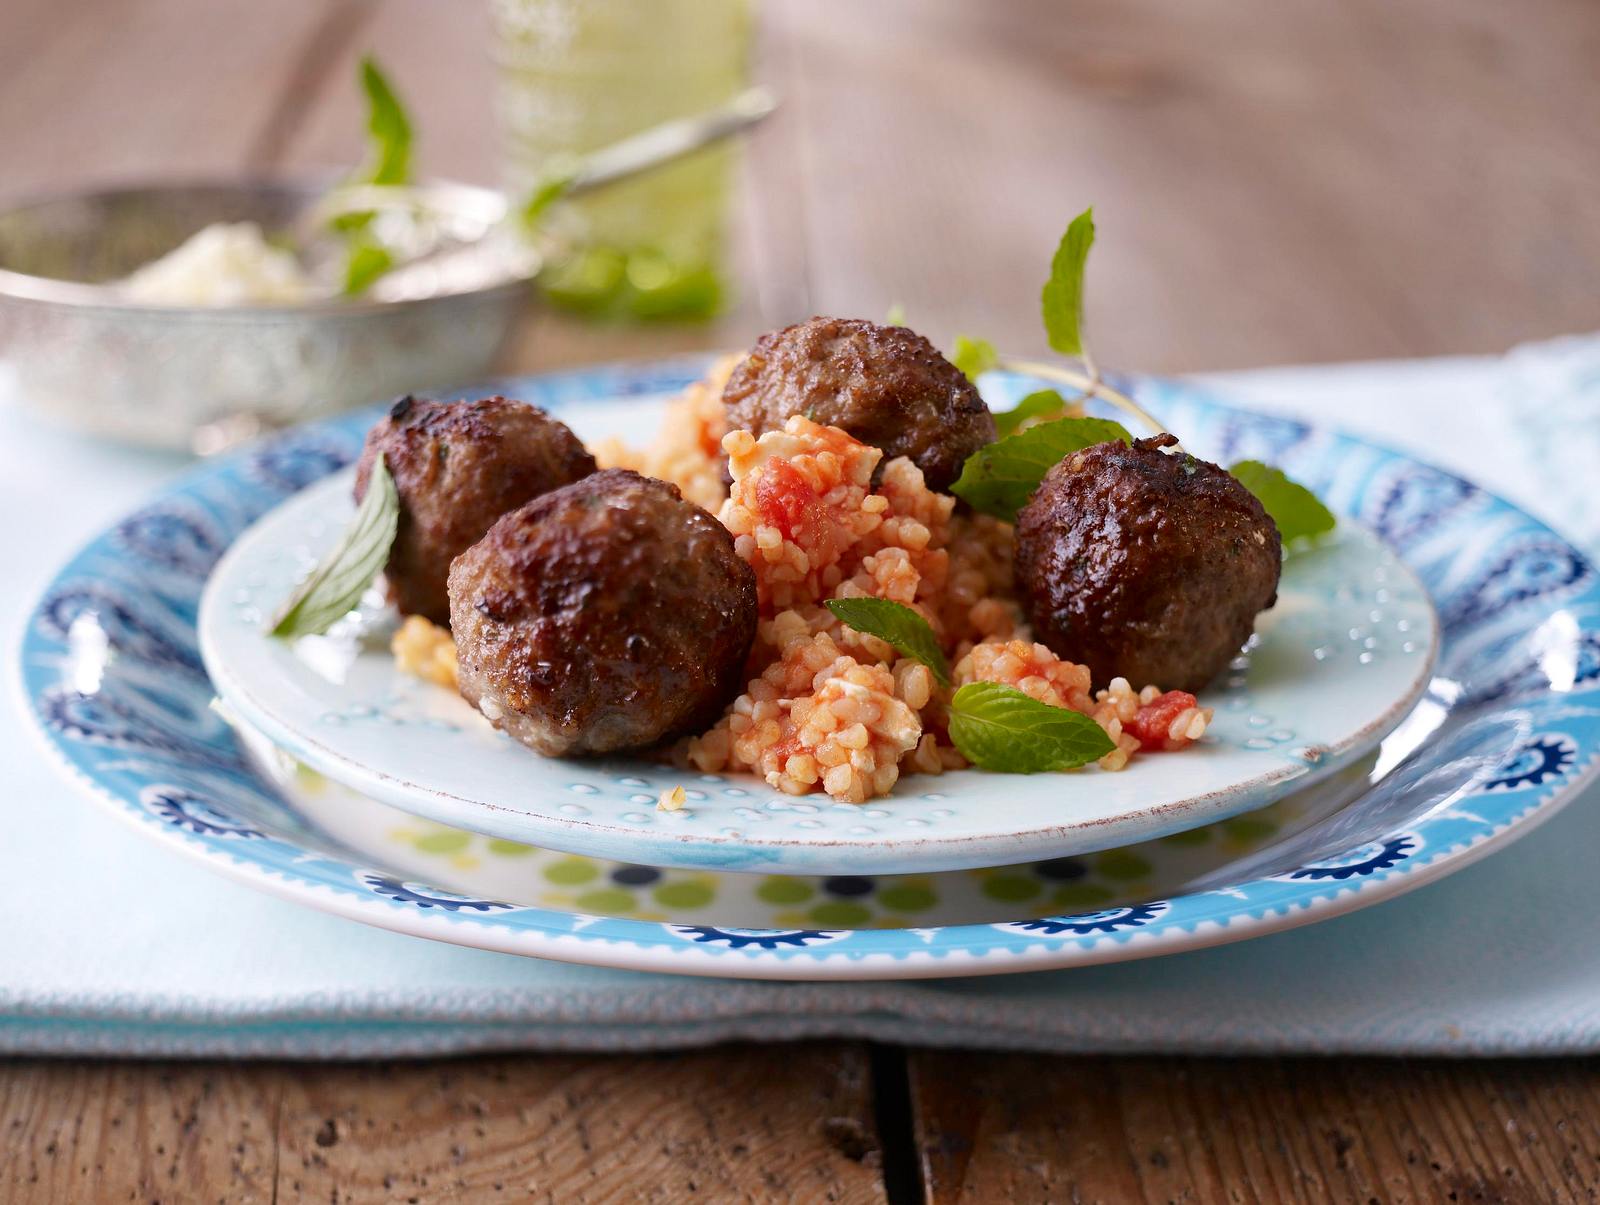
576,75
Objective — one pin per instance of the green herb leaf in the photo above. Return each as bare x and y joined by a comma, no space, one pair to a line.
337,584
550,189
1296,510
999,479
895,315
999,728
365,260
1044,403
899,625
388,127
974,357
1062,300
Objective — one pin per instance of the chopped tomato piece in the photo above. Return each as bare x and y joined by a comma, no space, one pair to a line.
785,499
1154,720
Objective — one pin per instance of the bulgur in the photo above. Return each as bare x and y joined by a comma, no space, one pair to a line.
828,708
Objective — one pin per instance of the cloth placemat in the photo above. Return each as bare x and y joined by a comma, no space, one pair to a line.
117,946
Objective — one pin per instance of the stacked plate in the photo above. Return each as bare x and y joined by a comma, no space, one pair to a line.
1419,695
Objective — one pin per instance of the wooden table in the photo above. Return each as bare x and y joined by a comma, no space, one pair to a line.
1275,181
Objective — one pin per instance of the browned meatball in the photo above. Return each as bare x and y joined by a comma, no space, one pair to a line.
604,616
885,385
1145,565
459,466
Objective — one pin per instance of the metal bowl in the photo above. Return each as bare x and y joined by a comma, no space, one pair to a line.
200,377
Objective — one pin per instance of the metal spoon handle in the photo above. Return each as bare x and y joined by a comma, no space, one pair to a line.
672,140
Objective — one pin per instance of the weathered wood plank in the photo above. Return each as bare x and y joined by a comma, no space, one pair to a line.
103,1131
1012,1127
1274,181
134,89
728,1124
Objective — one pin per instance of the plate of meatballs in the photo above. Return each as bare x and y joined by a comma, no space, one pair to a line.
151,669
669,650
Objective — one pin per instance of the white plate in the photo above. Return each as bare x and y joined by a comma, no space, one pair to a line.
1343,656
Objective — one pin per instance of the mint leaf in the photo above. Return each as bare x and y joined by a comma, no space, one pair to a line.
974,357
1043,403
899,625
1296,510
388,163
365,260
1062,299
550,189
895,315
999,728
388,128
999,479
337,584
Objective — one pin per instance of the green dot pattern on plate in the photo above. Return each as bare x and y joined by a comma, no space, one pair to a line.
1121,866
684,895
569,872
447,842
508,849
606,899
840,914
907,897
1082,895
1010,888
784,891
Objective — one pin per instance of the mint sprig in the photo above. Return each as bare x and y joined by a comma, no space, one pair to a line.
897,623
1295,509
974,357
1062,297
365,260
388,129
999,728
1040,404
337,584
388,164
999,479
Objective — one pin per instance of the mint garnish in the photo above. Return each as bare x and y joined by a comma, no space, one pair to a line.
899,625
1295,509
999,479
1040,404
1062,298
974,357
337,584
999,728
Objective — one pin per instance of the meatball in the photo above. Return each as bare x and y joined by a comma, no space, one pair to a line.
885,385
607,615
1145,565
459,466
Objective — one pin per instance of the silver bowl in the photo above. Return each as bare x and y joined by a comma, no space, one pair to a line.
199,378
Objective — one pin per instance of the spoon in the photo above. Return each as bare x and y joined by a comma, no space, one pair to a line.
437,244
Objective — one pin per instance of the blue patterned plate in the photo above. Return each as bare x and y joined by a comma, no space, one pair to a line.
1508,728
1343,656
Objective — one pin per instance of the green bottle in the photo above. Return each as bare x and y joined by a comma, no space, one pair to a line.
576,75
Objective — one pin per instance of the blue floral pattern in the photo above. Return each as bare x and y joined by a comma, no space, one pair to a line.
1361,861
1545,758
187,810
1521,611
757,939
422,896
1088,924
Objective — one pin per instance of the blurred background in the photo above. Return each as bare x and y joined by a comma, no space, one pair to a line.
1274,180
